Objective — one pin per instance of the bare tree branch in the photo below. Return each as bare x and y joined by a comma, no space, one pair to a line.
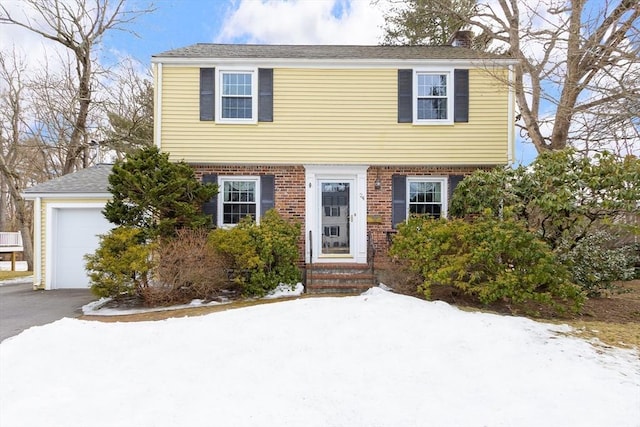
77,25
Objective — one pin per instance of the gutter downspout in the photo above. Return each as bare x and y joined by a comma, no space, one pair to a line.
37,244
157,113
511,119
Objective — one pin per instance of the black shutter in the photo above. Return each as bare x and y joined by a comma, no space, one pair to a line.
267,193
399,199
207,93
265,94
211,207
405,96
461,96
454,180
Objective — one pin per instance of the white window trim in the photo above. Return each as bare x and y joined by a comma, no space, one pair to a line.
254,95
444,182
450,93
226,178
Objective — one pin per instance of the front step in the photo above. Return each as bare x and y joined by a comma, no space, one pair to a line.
338,278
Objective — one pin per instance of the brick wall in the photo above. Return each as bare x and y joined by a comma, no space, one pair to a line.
289,184
290,193
379,200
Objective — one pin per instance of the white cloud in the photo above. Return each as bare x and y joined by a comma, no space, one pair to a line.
303,22
35,49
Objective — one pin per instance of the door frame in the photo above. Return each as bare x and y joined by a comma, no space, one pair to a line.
314,175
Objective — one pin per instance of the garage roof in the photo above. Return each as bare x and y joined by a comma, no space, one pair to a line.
90,180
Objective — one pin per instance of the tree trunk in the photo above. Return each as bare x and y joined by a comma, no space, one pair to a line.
21,212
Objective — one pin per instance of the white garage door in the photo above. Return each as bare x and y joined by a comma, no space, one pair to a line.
75,235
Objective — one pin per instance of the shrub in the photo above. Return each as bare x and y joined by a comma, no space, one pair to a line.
489,259
595,267
156,195
121,265
261,256
187,269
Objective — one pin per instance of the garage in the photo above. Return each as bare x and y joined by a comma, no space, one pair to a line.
67,219
75,234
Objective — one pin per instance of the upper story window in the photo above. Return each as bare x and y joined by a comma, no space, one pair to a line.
432,97
236,101
426,196
229,95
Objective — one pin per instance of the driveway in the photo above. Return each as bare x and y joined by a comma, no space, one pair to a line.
21,307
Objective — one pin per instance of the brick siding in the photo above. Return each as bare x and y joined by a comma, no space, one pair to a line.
290,193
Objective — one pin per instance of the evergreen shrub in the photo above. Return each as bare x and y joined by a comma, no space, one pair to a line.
489,259
595,266
122,264
262,256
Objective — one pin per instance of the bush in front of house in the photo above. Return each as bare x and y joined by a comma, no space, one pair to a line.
595,265
489,259
122,264
261,256
566,198
187,269
156,195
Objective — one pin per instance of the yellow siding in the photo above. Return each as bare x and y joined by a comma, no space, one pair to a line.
336,116
43,228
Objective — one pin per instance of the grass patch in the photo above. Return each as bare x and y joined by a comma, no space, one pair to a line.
5,275
625,335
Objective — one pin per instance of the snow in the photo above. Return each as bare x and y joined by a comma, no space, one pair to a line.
378,359
97,308
16,281
283,291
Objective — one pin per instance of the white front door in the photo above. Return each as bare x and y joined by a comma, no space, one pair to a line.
336,214
335,232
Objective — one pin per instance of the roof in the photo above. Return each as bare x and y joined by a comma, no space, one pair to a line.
90,180
320,52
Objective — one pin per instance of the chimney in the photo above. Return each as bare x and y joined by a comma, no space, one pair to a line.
462,38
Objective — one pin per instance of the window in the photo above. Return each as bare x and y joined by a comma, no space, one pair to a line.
426,196
410,197
236,96
237,100
240,198
332,231
332,211
433,98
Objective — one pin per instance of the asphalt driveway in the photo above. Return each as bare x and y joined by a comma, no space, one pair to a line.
21,307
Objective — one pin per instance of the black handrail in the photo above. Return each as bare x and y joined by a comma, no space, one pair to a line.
310,259
371,252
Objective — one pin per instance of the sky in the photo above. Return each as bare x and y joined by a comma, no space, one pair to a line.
178,23
377,359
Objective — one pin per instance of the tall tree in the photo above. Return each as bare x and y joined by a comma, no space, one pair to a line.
420,22
130,111
78,25
576,82
13,161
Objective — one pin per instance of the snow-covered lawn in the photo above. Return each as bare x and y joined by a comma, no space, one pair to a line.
378,359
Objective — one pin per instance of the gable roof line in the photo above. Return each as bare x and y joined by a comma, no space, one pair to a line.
324,53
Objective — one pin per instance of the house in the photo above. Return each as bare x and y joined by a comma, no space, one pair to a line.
67,221
348,140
